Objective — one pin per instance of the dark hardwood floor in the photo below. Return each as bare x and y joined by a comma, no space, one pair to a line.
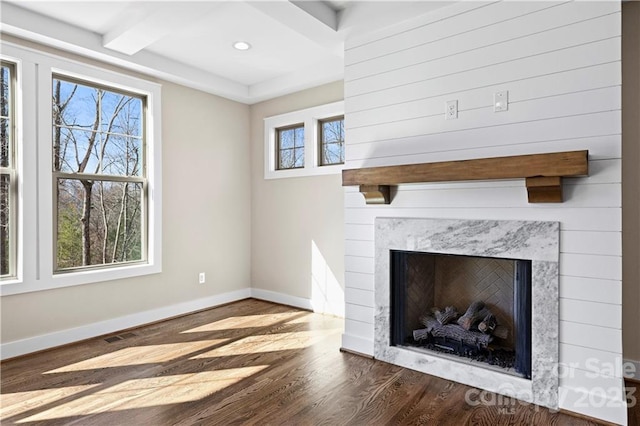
249,362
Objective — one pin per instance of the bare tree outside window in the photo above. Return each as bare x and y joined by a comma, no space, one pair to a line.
100,178
8,185
331,133
290,149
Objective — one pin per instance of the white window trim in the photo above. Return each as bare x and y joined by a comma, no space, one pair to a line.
310,118
35,270
25,207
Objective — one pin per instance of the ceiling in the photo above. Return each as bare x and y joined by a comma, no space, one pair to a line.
295,44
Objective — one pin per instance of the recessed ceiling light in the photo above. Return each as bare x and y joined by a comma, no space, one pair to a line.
241,45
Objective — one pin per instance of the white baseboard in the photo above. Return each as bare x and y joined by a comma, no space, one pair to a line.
357,344
629,372
283,299
298,302
63,337
598,403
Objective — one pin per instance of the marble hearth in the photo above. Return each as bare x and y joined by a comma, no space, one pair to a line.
535,241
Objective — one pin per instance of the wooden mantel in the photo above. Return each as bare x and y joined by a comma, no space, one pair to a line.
543,174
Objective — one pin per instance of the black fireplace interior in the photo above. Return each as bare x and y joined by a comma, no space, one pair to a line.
474,307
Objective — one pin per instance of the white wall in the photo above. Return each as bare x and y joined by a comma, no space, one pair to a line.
560,63
206,228
297,231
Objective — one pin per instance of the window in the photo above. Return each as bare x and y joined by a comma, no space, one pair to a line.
88,158
8,177
305,142
290,147
331,138
99,175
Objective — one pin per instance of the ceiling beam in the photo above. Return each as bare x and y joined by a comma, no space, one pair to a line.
319,10
316,21
137,32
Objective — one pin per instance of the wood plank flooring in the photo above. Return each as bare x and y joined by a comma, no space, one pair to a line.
249,363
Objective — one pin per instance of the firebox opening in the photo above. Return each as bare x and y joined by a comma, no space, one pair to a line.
473,308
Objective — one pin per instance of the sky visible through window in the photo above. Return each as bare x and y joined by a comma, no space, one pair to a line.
112,119
291,148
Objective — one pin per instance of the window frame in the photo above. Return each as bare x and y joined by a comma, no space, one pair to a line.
36,272
142,179
322,143
12,171
310,117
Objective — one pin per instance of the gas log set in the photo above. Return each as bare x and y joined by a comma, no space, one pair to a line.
471,335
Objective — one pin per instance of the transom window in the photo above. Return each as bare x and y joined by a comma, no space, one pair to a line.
331,136
8,184
306,142
290,147
99,170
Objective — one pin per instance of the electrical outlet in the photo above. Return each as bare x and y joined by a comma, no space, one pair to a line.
201,278
451,110
501,101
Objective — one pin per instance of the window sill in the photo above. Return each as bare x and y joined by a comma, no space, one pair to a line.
77,278
304,172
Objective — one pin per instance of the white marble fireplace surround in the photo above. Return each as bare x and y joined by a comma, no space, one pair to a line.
536,241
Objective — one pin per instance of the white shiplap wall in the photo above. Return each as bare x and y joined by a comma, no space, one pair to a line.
560,62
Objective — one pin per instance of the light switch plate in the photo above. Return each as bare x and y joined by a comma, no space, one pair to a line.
451,111
501,101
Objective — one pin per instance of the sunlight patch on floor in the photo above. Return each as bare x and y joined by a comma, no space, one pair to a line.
149,392
12,404
270,343
137,355
303,319
246,321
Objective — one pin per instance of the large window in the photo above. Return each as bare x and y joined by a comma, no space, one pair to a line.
8,176
331,141
81,171
99,175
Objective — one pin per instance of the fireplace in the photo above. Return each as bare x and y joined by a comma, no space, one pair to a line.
524,247
477,308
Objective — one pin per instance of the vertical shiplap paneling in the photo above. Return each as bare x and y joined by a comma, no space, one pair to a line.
560,62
